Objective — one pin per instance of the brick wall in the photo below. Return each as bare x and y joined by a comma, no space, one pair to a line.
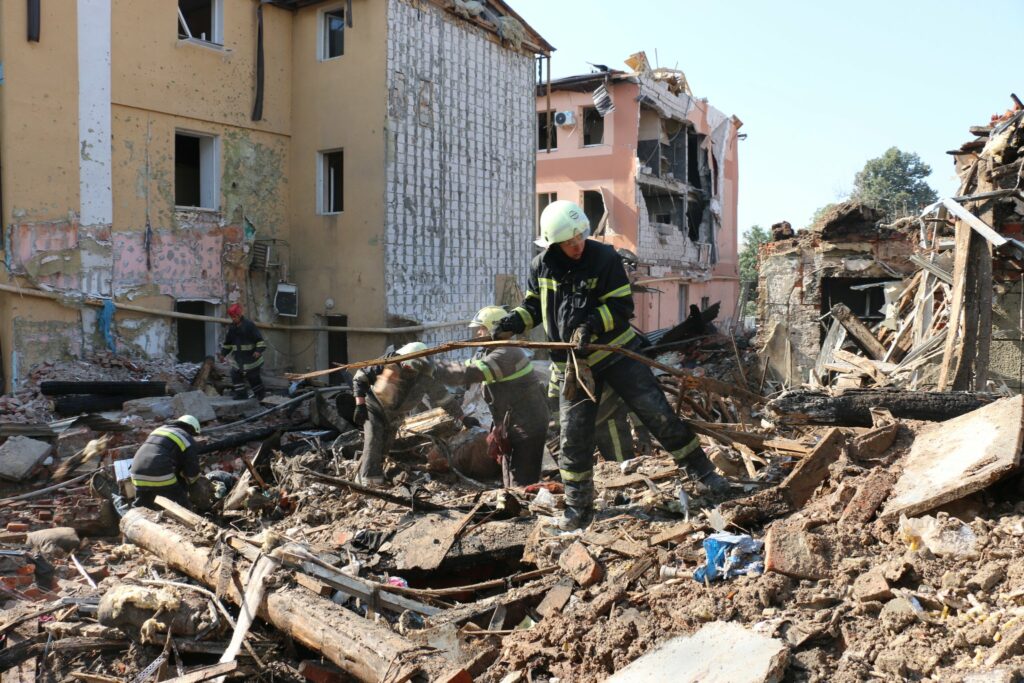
460,167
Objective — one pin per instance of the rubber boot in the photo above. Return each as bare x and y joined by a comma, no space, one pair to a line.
700,468
579,506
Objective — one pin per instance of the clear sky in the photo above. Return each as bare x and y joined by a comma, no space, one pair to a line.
821,86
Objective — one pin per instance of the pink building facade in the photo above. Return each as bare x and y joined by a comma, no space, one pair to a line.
657,175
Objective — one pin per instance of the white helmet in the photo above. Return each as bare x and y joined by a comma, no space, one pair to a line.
487,317
560,221
417,364
191,421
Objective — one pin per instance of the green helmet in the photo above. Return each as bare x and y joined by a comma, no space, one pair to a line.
487,317
562,220
191,421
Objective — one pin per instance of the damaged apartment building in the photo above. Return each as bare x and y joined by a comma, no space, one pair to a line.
360,165
926,302
656,170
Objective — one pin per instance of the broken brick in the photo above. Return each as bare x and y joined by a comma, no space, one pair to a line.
578,563
17,527
871,586
870,495
318,672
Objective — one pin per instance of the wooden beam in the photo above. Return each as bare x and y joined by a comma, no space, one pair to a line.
953,349
859,331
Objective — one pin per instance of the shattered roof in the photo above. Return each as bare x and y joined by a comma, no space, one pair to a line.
534,41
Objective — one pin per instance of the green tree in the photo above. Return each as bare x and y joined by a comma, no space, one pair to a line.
894,183
752,242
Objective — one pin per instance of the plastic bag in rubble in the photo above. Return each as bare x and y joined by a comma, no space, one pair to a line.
949,537
730,555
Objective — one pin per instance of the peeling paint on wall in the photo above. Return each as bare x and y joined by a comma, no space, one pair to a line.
254,183
39,341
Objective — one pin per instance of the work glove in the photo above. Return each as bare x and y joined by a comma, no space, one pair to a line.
581,336
359,415
508,326
468,421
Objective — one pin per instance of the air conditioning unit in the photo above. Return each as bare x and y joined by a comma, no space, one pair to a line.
564,118
286,300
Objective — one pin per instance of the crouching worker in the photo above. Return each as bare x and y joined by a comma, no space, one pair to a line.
384,395
511,392
166,464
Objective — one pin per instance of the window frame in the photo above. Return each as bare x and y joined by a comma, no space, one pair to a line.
209,163
583,127
216,27
542,145
321,40
321,181
551,197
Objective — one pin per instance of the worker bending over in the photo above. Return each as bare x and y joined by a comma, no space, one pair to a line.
512,393
243,347
166,464
578,290
385,394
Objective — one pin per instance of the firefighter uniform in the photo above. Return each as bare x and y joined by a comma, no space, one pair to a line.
564,295
242,343
384,414
511,390
165,464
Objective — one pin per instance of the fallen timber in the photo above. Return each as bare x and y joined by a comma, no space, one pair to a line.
686,379
366,650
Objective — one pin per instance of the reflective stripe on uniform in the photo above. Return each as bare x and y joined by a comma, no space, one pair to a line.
598,356
486,369
575,477
171,434
606,318
557,370
685,451
522,372
163,480
624,290
525,314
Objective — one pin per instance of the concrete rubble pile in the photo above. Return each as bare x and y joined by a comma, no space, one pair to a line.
844,552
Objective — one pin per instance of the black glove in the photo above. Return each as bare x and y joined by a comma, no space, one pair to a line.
468,421
506,327
359,415
581,336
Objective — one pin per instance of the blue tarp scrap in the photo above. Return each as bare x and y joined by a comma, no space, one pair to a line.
107,324
730,555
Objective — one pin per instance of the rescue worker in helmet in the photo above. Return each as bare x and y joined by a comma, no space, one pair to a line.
513,394
384,395
579,291
244,347
166,464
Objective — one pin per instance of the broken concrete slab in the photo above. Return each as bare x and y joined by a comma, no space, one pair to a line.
555,599
229,409
959,457
987,577
993,676
793,550
20,455
799,486
156,408
721,652
194,403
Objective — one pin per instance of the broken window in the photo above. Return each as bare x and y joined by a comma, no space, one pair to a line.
543,129
695,155
197,339
201,20
705,301
333,33
332,181
694,217
195,171
864,296
543,199
593,127
593,206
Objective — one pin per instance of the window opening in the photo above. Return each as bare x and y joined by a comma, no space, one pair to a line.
200,20
593,127
543,129
195,171
333,34
543,199
332,181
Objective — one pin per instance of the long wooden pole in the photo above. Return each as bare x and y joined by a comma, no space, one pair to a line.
684,378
